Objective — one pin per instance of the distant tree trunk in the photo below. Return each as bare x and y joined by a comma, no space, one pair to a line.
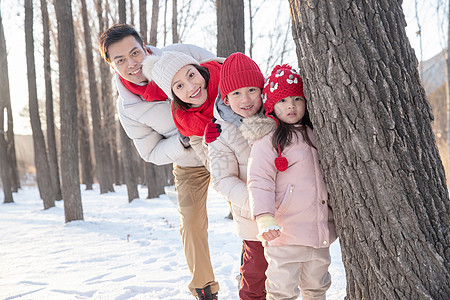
143,20
154,26
84,141
131,13
40,153
51,137
165,22
175,38
157,178
126,150
73,208
122,12
11,148
230,27
377,149
100,148
250,19
4,97
448,85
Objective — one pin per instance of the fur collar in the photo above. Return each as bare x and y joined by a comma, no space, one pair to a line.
255,127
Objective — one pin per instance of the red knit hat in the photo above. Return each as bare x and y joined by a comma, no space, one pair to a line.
283,82
239,71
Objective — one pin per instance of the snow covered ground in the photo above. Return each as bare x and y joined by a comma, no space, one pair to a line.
120,250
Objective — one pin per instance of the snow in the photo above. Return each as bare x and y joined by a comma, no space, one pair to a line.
120,251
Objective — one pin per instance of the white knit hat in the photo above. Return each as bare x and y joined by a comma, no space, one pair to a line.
162,69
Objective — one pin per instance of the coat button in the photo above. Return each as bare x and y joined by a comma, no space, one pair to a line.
323,201
325,242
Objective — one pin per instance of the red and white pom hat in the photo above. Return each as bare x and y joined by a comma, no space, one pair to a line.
282,82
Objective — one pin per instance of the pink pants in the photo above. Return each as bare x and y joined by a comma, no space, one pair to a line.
294,266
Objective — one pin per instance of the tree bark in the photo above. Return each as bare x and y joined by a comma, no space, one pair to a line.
154,25
40,153
378,153
73,208
51,137
230,27
11,148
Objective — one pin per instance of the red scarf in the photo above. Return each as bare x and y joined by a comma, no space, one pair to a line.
193,120
150,92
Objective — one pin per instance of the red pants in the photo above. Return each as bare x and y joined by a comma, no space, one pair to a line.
253,270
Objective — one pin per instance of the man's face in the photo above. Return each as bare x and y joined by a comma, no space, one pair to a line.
126,58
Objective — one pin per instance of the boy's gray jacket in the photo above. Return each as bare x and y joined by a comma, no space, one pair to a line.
228,157
150,124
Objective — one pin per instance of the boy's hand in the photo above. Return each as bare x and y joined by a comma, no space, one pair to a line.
268,228
212,131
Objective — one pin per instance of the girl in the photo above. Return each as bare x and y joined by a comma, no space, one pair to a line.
288,197
241,83
193,87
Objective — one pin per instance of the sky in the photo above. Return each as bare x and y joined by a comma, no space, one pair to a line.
434,30
120,251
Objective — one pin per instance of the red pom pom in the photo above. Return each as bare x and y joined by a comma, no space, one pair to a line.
281,163
280,67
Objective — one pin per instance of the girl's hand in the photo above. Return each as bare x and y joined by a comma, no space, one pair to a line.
271,234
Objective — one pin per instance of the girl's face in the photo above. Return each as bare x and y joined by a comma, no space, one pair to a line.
291,109
245,101
189,85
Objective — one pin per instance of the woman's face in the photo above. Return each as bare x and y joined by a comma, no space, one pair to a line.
189,85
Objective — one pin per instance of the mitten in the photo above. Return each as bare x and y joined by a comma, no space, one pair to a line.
212,131
266,223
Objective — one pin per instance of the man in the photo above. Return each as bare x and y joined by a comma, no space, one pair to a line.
145,114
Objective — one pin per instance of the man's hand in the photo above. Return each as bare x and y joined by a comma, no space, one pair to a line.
184,140
212,131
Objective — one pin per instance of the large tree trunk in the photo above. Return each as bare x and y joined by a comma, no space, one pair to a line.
154,26
101,162
230,27
378,152
40,153
51,137
73,208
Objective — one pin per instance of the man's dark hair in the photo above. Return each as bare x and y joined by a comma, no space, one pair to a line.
114,34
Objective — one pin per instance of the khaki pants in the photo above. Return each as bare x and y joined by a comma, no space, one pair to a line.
192,186
294,266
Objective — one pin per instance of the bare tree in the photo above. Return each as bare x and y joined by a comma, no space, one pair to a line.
377,149
154,25
4,98
73,208
51,137
230,27
40,153
100,149
84,142
11,149
165,22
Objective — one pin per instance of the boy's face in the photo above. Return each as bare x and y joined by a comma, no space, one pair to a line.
245,101
126,59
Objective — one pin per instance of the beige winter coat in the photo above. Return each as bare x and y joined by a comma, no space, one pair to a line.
150,124
228,157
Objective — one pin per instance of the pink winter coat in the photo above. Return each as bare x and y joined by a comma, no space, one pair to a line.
297,197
